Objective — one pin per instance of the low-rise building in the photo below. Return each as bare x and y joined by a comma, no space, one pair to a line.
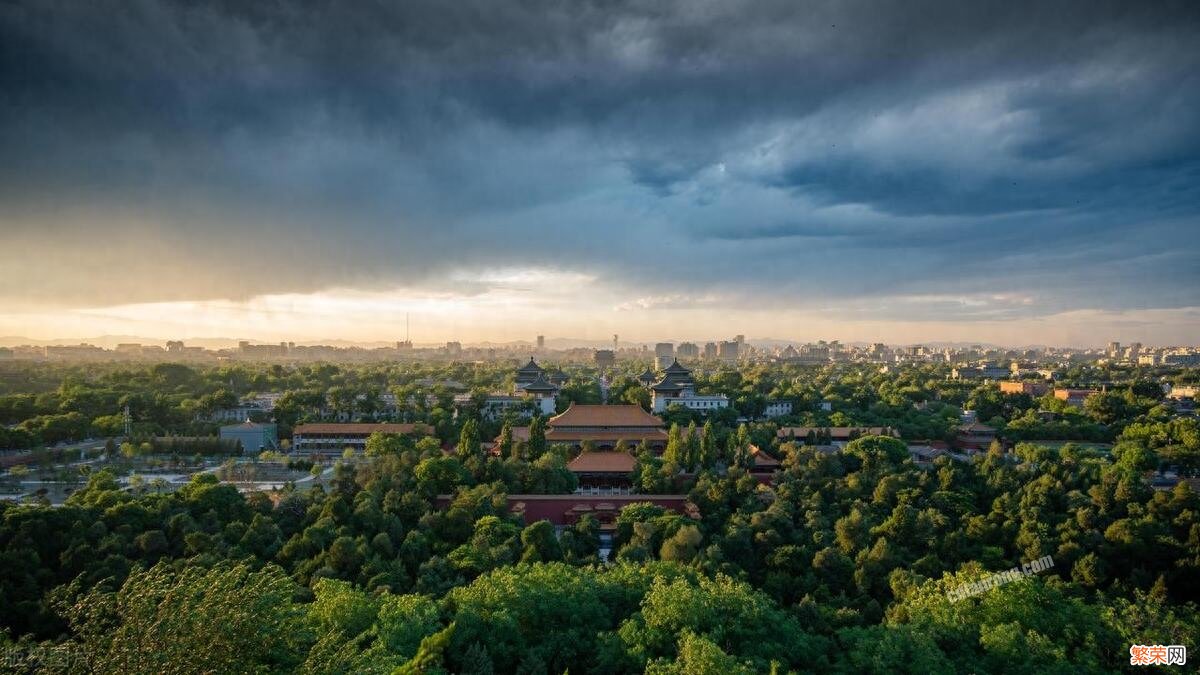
1184,406
975,436
777,408
924,455
333,438
495,406
979,373
253,436
1034,389
1189,391
1074,397
243,411
267,401
262,351
838,436
1186,359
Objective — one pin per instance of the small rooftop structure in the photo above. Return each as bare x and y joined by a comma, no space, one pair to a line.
605,461
763,461
540,385
579,416
675,379
528,373
835,433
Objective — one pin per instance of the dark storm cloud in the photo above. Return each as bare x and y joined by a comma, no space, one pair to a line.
833,149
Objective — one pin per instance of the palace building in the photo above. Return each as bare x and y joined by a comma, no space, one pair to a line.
677,388
531,385
603,426
603,469
528,374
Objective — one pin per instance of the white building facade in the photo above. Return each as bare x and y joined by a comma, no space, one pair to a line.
677,388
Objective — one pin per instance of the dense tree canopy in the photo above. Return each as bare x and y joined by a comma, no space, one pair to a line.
847,562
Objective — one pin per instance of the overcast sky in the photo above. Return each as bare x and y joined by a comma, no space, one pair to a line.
998,171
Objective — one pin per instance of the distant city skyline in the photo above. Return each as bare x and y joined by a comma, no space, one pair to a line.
1010,173
552,342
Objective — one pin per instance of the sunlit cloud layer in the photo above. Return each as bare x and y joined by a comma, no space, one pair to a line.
1007,172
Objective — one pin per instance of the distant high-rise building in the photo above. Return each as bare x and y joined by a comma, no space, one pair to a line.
664,354
687,350
541,342
454,348
604,358
1114,349
728,350
247,349
710,350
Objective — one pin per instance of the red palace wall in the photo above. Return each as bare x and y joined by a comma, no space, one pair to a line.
560,509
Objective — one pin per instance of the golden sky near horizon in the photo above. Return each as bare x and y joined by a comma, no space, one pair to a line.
519,306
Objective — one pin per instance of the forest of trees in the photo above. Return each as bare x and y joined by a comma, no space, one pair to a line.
45,404
844,564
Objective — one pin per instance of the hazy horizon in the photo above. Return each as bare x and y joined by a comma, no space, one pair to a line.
553,342
1011,173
